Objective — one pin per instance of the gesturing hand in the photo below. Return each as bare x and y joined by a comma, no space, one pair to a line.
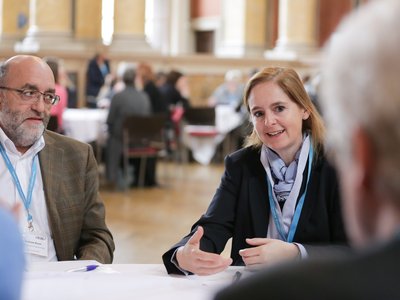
268,251
192,259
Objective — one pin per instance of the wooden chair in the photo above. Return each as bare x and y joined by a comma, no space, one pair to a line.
198,123
200,116
142,138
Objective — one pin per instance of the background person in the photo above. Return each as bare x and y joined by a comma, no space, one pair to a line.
128,102
97,70
54,177
361,102
278,197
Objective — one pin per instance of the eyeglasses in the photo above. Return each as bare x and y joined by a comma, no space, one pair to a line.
30,96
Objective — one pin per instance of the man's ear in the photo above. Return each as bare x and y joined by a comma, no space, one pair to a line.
365,162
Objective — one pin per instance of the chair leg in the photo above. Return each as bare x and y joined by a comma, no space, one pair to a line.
126,171
142,171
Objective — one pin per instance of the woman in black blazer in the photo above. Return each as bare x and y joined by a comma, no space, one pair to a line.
278,198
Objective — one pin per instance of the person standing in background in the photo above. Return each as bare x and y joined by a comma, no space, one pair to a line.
97,70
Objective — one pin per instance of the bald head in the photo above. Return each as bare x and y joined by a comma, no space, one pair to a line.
17,64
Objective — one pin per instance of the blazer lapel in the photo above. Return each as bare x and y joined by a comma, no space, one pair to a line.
51,166
258,196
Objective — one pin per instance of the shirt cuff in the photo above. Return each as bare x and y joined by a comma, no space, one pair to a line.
175,262
303,251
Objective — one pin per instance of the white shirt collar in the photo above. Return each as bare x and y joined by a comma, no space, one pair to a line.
10,147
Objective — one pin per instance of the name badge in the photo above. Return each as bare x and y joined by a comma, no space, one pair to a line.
36,243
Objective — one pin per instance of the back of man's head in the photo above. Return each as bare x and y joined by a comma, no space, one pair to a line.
129,76
361,89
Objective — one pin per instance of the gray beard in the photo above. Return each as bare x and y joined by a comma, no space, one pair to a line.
19,133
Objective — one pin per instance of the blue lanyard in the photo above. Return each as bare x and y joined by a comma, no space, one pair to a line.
299,207
26,200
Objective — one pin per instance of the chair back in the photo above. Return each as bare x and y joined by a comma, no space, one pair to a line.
200,116
144,131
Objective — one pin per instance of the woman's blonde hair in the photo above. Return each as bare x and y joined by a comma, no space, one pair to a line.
290,83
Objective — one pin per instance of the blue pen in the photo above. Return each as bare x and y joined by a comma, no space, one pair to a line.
85,269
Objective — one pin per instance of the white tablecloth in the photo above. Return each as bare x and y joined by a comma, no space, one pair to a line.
49,281
86,125
204,147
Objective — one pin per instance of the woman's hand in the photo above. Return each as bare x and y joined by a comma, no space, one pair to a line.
192,259
268,251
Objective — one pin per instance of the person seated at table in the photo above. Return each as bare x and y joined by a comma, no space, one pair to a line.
230,92
278,198
146,80
58,110
129,101
53,176
176,93
360,99
12,259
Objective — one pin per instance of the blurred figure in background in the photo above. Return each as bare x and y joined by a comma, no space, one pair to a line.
129,101
146,79
360,98
176,90
58,109
176,94
230,92
97,70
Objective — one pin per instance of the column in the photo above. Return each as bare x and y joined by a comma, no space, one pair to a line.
243,28
13,22
255,27
49,26
181,39
129,27
87,21
297,29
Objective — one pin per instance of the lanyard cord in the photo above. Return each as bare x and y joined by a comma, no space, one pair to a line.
299,207
27,200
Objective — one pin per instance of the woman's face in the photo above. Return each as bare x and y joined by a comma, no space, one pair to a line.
277,119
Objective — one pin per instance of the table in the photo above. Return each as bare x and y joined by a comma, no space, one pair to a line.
49,281
86,125
204,140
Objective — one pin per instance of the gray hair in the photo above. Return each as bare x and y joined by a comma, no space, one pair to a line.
360,87
3,72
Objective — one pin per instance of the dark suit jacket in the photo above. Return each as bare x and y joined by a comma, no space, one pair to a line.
240,209
75,210
94,77
371,275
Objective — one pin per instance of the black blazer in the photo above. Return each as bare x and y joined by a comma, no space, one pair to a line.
240,209
371,275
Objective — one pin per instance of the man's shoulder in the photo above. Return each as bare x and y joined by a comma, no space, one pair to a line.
368,275
55,139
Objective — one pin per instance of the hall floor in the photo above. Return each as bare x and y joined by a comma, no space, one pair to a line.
145,222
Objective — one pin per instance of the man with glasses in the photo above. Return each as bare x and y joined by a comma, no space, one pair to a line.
54,177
